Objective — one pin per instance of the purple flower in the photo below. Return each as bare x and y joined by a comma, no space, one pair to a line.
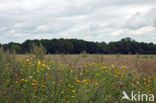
80,67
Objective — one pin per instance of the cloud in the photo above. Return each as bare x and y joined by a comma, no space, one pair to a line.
18,35
41,28
117,32
140,20
143,30
2,29
97,20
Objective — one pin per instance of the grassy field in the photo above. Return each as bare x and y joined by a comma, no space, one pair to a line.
80,78
139,63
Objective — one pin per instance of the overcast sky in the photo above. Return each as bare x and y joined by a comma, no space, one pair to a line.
92,20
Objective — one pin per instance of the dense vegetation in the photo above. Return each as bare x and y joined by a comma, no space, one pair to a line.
74,46
37,80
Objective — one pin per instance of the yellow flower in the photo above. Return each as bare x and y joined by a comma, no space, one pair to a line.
73,91
149,92
22,79
78,81
35,84
83,81
25,80
93,63
43,86
34,80
71,71
43,80
30,63
43,65
8,80
38,63
103,67
112,65
96,84
144,79
138,83
123,66
86,83
27,60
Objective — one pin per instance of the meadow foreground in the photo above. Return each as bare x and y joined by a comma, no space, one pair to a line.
31,80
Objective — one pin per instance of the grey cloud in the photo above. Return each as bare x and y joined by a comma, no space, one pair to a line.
140,20
79,18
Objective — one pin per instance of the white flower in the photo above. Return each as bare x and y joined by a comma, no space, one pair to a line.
30,76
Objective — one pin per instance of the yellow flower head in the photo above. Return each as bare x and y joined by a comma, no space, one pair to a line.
73,91
83,81
27,60
39,63
22,79
137,82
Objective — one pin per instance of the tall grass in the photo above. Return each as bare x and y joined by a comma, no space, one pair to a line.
37,80
39,51
84,54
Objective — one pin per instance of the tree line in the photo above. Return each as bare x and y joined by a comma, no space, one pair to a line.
76,46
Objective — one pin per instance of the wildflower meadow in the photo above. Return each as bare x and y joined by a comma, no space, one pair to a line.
33,80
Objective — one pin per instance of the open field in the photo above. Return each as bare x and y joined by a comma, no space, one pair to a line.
139,63
81,78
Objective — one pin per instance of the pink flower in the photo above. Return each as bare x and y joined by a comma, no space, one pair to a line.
80,67
35,97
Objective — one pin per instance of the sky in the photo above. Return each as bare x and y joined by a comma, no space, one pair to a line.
91,20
